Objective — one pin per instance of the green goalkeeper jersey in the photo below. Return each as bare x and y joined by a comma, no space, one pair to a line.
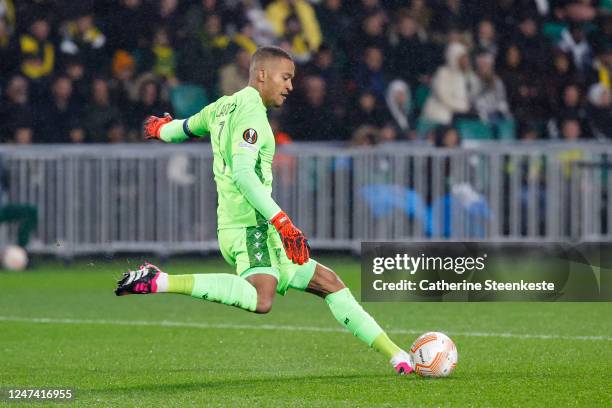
243,147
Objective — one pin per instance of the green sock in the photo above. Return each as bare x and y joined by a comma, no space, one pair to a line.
383,344
225,288
350,314
182,284
216,287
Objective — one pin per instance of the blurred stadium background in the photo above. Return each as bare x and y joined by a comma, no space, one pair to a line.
410,120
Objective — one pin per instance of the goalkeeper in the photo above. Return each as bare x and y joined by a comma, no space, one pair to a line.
270,254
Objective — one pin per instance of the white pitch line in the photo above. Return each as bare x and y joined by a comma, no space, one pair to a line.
166,323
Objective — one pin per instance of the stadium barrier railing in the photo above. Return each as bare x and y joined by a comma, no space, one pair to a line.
161,198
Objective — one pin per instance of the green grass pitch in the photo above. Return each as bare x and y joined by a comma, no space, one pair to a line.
64,327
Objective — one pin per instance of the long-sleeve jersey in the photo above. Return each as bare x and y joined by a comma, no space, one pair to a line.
243,148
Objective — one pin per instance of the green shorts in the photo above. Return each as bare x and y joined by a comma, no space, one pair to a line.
261,247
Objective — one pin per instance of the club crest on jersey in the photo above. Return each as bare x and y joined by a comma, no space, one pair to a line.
250,136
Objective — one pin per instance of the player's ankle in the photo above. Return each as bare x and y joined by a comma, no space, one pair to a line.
402,362
160,283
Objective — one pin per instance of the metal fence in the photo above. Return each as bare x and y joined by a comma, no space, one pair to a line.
162,198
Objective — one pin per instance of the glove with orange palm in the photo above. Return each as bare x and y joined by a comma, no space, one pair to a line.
152,126
294,241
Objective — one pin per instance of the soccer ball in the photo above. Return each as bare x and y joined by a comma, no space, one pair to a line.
14,258
434,355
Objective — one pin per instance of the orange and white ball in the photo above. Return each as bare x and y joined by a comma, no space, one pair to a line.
14,258
434,355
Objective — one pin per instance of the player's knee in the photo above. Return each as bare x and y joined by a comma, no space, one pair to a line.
264,305
334,283
266,289
336,287
325,282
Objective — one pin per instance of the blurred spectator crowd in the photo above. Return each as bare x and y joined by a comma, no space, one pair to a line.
369,71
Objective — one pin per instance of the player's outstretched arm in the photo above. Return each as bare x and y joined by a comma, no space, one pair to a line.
294,241
153,125
177,130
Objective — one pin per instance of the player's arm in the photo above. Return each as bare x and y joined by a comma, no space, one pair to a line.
249,184
247,181
177,130
245,152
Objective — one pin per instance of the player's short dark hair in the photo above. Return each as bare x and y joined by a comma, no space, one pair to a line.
270,51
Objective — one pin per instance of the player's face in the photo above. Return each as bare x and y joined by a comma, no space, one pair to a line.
278,84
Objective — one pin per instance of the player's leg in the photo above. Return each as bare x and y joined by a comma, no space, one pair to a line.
251,255
265,285
253,290
215,287
326,284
